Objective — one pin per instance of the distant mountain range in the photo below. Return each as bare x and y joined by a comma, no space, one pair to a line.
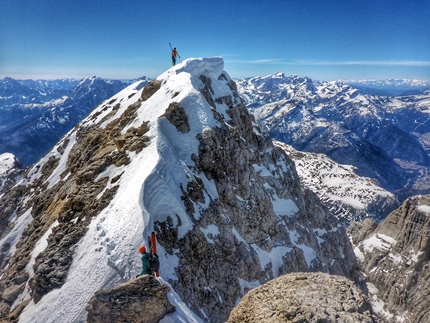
385,138
35,114
33,91
391,87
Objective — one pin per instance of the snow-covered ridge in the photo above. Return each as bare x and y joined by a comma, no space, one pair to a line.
181,157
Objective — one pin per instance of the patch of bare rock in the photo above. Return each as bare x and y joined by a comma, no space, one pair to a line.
304,297
142,300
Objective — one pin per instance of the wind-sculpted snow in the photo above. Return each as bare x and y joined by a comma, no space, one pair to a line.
209,67
181,157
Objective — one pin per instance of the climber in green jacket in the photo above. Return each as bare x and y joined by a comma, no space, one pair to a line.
146,266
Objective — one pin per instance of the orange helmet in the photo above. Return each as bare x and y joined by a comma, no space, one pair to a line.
142,249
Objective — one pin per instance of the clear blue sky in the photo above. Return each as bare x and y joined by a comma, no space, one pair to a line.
322,39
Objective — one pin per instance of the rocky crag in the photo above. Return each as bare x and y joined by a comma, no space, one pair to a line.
394,256
181,157
304,297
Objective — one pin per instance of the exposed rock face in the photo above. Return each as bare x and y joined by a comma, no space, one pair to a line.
394,257
304,297
250,175
143,300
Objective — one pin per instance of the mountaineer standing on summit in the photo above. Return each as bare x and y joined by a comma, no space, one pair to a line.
174,54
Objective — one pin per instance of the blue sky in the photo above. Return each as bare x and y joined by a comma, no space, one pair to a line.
322,39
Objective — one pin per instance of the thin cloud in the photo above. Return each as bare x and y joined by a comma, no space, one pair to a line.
308,62
258,61
363,63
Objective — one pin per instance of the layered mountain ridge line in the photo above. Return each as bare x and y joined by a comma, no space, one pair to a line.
33,120
379,135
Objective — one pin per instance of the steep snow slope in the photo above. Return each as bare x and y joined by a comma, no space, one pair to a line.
181,157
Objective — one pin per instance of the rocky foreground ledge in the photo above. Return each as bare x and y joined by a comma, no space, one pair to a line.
296,297
141,300
304,297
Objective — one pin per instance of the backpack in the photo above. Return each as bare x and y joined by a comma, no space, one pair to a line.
154,262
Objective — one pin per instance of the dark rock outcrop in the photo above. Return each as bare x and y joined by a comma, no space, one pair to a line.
143,300
236,156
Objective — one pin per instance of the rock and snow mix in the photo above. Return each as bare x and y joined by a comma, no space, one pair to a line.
180,157
10,171
7,162
394,259
348,196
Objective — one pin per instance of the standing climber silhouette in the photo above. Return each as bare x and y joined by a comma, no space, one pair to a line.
174,54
